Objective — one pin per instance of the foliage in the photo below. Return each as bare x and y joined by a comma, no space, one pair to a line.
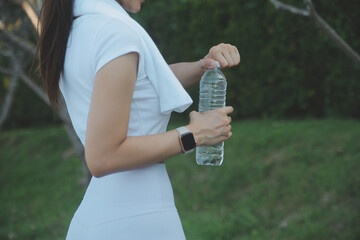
28,109
279,180
289,68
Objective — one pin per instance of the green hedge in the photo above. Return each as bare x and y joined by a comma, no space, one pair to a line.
289,68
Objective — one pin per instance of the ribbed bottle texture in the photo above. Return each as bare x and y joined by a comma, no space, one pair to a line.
212,96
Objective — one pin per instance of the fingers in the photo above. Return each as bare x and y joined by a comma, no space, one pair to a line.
235,55
227,130
228,55
227,109
223,137
207,63
211,127
218,56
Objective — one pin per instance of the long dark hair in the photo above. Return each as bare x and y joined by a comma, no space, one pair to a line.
56,21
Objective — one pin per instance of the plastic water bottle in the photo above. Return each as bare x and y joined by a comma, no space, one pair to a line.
212,96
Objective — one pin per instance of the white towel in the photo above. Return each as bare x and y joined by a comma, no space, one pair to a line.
172,95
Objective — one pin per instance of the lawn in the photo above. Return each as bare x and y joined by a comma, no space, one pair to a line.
279,180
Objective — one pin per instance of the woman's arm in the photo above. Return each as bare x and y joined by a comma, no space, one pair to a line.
108,149
189,73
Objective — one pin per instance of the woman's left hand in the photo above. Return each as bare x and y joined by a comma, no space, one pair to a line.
227,55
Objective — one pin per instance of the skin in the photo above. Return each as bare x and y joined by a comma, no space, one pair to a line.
133,6
189,74
108,149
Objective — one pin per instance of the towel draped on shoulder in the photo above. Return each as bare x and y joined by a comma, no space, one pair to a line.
172,95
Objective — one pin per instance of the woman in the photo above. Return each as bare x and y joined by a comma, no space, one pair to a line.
120,93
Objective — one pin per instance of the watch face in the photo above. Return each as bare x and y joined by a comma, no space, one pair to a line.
188,141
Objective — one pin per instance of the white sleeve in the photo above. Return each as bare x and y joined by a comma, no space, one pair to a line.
113,40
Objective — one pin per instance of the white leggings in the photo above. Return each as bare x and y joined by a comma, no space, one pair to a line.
136,205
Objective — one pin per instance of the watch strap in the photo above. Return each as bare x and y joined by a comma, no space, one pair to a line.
183,130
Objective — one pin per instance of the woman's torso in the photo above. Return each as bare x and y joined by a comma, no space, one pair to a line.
122,194
78,78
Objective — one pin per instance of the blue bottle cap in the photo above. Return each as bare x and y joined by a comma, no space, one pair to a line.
218,64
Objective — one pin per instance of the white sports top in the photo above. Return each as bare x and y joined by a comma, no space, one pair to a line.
84,58
128,204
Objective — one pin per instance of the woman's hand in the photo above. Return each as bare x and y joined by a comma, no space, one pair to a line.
228,56
189,73
211,127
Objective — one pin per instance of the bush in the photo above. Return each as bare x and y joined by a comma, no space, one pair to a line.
289,67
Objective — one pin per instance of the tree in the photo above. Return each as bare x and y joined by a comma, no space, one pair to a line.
311,13
17,51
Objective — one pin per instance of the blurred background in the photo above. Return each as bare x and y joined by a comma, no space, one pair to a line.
291,168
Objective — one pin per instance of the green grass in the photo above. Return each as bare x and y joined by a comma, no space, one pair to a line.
39,184
279,180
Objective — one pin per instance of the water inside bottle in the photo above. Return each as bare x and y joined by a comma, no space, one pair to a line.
212,96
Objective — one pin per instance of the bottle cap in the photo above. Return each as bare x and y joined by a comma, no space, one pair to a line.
218,64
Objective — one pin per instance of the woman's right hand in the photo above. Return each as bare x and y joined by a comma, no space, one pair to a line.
211,127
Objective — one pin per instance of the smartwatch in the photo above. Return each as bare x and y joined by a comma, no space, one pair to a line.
187,140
